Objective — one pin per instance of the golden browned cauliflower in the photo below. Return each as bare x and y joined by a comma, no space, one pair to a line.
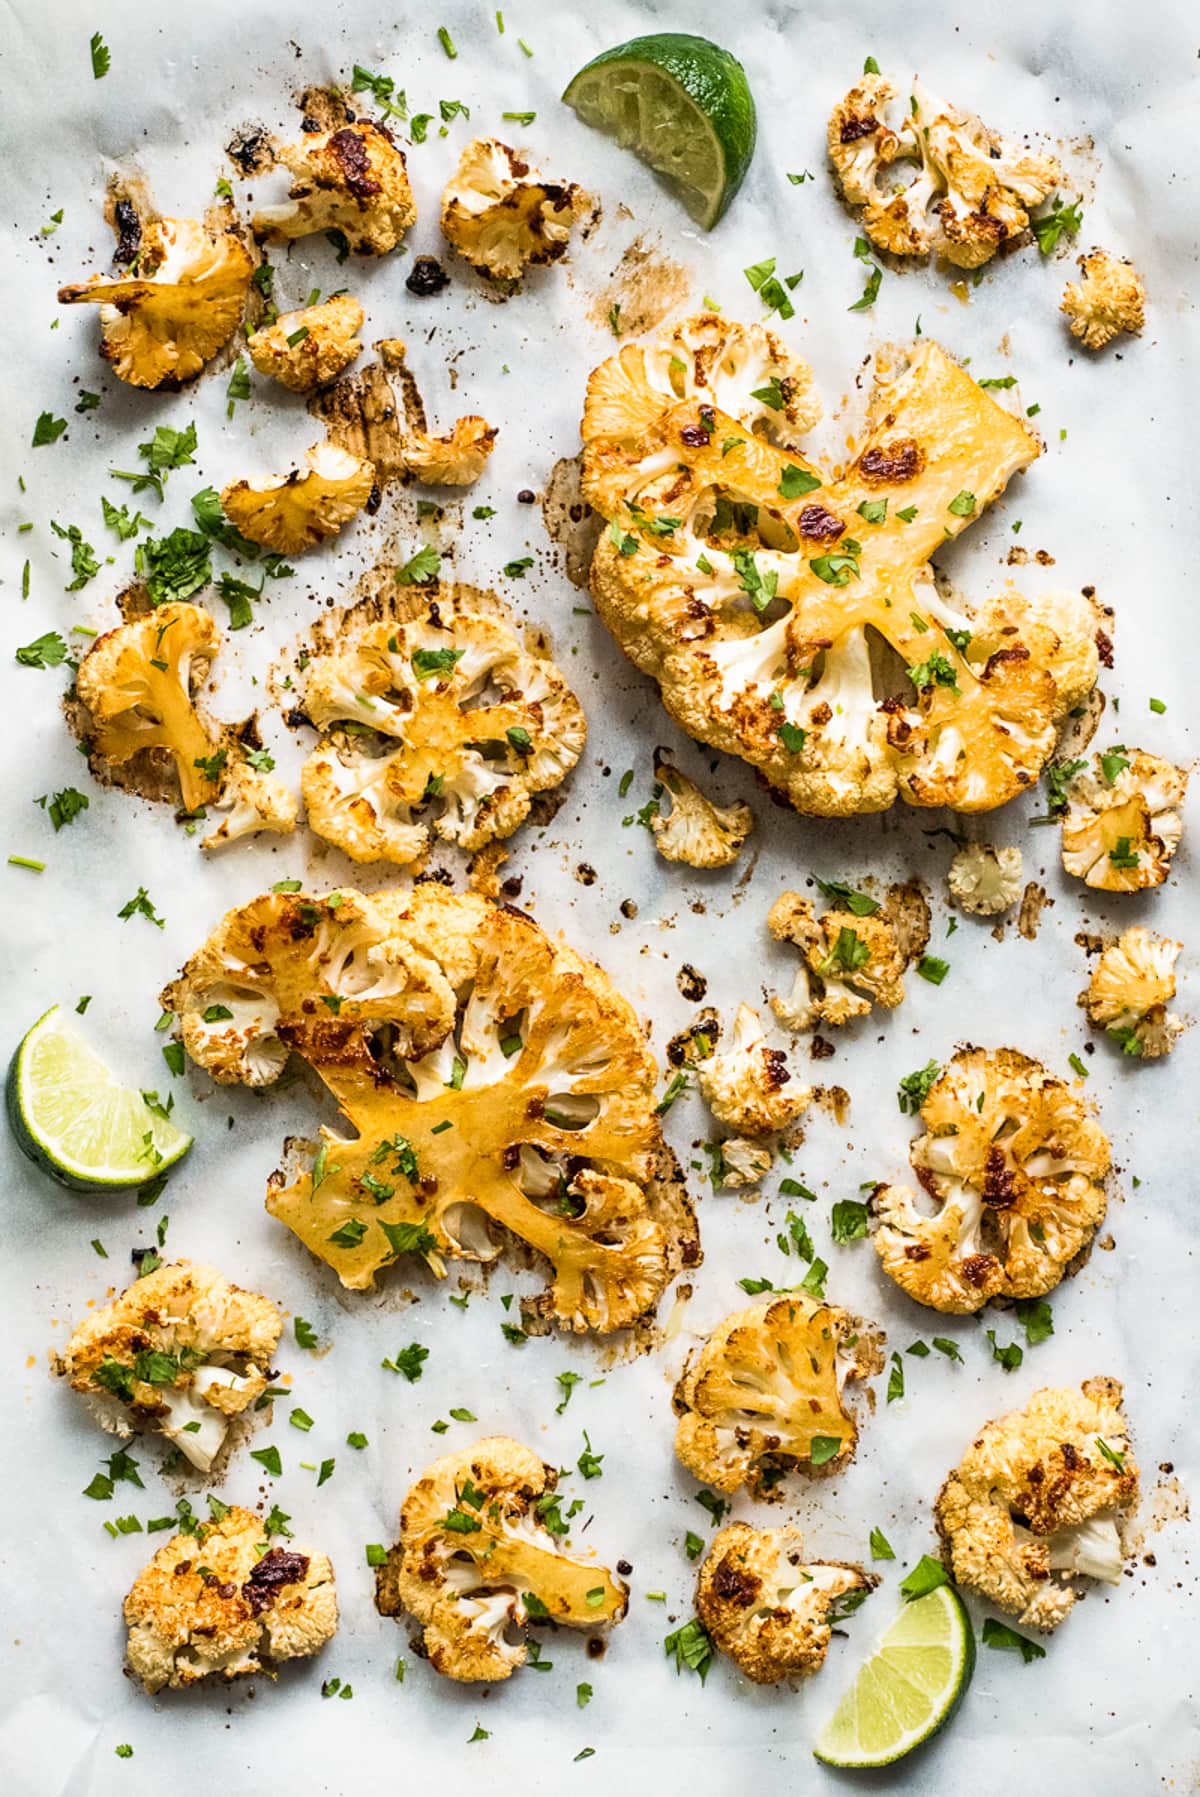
1110,298
1013,1163
252,802
1128,993
353,180
1038,1501
753,1086
455,460
500,1089
763,1395
695,830
790,615
305,349
220,1602
437,720
383,421
502,217
481,1555
742,1163
178,302
966,190
1122,823
851,962
985,880
767,1607
304,507
181,1351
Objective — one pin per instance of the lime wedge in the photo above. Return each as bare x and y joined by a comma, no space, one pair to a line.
72,1118
681,104
908,1689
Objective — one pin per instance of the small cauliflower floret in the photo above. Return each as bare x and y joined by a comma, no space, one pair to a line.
502,217
696,830
482,1554
985,880
851,962
306,506
1122,824
306,348
353,180
743,1163
160,326
861,143
220,1603
456,460
763,1395
753,1087
1127,995
252,801
181,1351
1110,298
1011,1165
1038,1500
767,1607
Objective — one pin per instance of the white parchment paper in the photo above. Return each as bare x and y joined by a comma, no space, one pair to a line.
1112,1708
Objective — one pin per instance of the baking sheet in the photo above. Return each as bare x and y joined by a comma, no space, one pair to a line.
1113,501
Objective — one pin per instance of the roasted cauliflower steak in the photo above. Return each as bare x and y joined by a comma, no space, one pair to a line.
353,180
1123,820
502,217
769,1608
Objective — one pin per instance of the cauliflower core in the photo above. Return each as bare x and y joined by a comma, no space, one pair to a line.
984,880
481,1555
220,1603
1110,298
182,1351
304,349
1011,1164
763,1395
695,830
1122,823
501,217
500,1088
851,962
306,506
752,1087
767,1607
353,180
438,721
1127,995
790,615
1038,1499
929,177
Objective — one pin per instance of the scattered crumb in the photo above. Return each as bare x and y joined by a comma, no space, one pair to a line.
569,520
644,286
1029,917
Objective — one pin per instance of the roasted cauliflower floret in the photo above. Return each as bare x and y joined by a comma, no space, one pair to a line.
502,217
500,1088
441,722
985,880
1012,1164
160,325
767,1607
851,963
220,1603
377,414
1123,824
1038,1500
181,1351
481,1554
1110,298
695,830
1131,984
743,1163
753,1086
252,801
306,506
306,348
353,180
456,460
763,1395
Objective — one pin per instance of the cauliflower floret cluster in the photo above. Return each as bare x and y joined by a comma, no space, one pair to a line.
502,217
968,191
1109,298
438,720
985,880
181,1351
302,508
179,301
767,1607
305,349
252,802
482,1554
790,615
1037,1501
853,960
364,415
753,1087
763,1394
220,1602
1011,1164
1131,985
1122,824
353,180
695,830
501,1089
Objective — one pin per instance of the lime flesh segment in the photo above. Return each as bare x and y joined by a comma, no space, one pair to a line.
908,1689
682,105
71,1117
